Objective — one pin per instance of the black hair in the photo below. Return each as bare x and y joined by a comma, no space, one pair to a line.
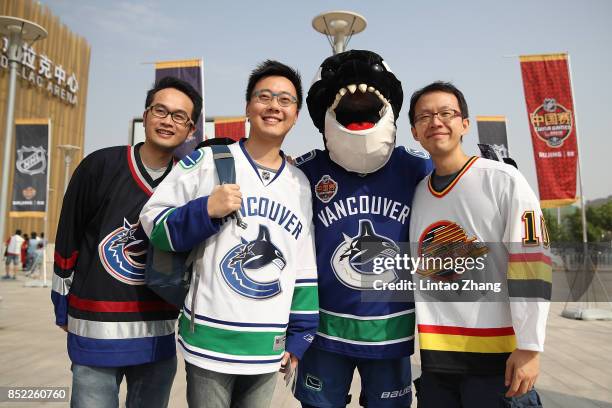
179,85
33,235
18,232
275,68
438,86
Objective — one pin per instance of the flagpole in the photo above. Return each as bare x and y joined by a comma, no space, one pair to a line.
582,206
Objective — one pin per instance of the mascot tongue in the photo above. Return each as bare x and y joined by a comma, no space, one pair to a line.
360,125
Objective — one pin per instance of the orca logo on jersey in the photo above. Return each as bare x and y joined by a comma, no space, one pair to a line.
123,253
252,268
353,259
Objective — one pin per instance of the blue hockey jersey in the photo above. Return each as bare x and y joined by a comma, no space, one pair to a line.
360,220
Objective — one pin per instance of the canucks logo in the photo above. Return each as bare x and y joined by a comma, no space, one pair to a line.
123,253
353,259
253,268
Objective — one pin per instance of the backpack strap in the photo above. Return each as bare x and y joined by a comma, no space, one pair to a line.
226,170
224,163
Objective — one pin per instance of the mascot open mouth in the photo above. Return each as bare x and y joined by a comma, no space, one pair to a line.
359,107
357,88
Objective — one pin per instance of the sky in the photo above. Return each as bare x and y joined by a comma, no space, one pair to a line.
474,44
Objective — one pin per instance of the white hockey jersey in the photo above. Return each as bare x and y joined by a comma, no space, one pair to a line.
257,286
488,212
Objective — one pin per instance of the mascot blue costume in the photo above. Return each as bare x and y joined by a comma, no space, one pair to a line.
362,188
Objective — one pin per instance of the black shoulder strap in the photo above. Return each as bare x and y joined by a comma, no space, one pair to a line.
224,163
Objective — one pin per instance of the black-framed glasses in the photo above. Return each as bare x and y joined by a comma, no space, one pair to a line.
445,115
265,96
179,117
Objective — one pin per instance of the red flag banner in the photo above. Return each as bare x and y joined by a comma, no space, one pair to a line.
234,128
552,124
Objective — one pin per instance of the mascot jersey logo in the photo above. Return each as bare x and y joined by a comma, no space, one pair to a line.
252,268
123,253
353,260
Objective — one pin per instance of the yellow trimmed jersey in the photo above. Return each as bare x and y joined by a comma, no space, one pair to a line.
488,214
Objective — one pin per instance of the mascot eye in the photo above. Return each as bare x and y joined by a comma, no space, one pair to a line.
327,73
378,68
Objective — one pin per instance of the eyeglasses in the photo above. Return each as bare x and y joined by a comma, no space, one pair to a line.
179,117
445,115
265,96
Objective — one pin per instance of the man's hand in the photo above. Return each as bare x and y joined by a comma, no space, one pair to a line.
224,200
64,328
522,369
288,365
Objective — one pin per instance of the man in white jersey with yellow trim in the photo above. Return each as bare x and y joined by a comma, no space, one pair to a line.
480,342
256,304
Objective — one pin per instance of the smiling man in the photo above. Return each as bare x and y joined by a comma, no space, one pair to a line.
473,351
116,326
254,295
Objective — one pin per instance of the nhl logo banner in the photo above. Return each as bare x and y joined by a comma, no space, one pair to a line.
191,72
550,109
31,168
492,131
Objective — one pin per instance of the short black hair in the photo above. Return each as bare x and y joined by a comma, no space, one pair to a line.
275,68
438,86
18,232
179,85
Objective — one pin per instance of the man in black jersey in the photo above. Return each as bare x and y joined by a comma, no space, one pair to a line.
116,326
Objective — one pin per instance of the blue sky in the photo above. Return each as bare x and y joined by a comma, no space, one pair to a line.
464,42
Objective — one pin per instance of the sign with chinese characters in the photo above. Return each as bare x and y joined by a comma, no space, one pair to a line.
550,108
40,71
31,168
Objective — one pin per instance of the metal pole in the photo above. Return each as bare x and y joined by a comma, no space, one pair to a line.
582,206
14,57
67,161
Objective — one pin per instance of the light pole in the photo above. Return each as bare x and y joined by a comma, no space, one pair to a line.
68,150
17,30
339,27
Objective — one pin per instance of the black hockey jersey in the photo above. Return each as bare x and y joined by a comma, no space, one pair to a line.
100,252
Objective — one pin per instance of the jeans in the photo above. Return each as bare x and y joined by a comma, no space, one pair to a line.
148,385
210,389
438,390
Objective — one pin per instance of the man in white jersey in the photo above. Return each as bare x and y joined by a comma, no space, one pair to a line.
256,303
477,343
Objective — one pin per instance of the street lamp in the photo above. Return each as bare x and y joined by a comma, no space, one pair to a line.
68,150
17,30
339,27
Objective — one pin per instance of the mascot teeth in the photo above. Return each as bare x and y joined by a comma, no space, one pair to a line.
352,88
363,88
342,91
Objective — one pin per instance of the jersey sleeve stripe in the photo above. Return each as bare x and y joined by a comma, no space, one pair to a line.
160,236
530,257
530,271
534,288
66,264
305,298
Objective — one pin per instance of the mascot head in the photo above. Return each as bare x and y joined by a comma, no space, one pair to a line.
354,101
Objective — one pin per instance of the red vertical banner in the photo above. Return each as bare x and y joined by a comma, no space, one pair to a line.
550,107
233,128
